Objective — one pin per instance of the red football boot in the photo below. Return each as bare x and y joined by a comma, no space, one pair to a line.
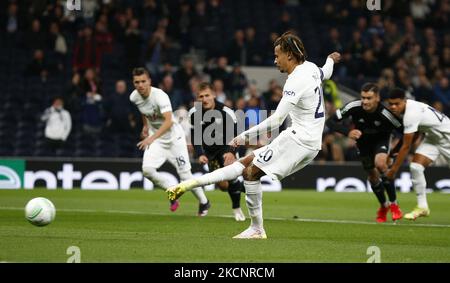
396,212
382,214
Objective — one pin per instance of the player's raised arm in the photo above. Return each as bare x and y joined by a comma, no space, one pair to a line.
327,69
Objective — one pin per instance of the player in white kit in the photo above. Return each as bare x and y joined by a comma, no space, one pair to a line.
294,148
162,137
419,117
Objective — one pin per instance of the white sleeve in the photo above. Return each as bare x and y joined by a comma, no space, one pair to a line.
411,123
46,114
274,121
164,104
327,69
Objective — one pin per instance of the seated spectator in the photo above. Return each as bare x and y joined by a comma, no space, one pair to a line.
185,74
119,110
219,90
237,82
38,66
35,38
254,57
237,51
85,51
58,124
132,44
175,95
92,113
442,93
90,82
218,70
74,94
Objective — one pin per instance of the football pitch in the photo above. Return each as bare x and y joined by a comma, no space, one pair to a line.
137,226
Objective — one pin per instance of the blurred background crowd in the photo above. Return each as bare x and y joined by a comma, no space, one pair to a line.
54,60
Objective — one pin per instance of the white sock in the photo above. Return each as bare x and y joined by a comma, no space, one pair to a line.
253,198
156,177
419,184
198,192
226,173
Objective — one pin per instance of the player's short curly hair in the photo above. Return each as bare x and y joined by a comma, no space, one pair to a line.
291,43
396,93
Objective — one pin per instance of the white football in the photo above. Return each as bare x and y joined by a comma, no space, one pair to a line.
40,211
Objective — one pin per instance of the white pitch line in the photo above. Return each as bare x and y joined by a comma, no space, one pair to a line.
229,216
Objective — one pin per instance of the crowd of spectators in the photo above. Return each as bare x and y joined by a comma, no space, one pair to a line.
184,42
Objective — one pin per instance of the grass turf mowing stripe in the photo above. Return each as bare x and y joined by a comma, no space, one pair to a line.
229,216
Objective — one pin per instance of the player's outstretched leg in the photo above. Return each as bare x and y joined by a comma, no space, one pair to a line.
226,173
153,175
419,184
198,192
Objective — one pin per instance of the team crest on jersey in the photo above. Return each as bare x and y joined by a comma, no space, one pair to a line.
377,123
361,120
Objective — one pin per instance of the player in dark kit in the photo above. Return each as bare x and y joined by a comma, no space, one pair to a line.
212,128
373,125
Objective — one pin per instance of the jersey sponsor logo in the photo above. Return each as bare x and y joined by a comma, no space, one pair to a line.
289,93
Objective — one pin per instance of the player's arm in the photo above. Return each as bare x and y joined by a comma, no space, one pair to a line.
335,122
46,114
407,142
327,69
144,132
336,125
166,125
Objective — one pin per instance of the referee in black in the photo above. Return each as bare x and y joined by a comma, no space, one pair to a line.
217,125
373,124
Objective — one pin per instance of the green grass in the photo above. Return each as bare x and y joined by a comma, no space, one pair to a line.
136,226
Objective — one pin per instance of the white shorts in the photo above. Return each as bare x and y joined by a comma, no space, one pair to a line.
283,157
175,152
432,149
